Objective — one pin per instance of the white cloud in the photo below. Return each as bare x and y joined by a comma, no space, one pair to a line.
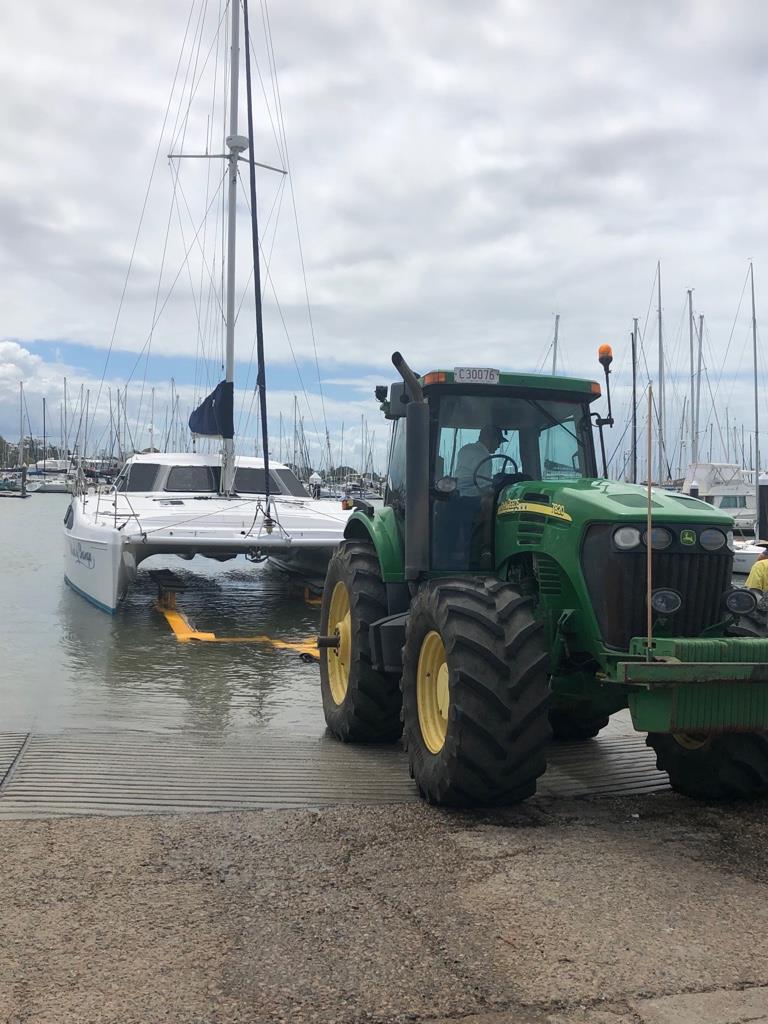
461,175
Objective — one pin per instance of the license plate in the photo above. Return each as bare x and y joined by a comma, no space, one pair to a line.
475,375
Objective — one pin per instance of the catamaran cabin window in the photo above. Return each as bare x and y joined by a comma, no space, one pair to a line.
138,476
250,480
198,479
290,483
733,501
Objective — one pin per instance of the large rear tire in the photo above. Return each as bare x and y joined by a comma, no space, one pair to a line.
475,693
360,705
570,726
733,766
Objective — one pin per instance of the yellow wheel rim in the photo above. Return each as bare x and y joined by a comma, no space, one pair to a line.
432,692
339,658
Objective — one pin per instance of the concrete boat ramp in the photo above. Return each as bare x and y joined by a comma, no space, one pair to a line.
133,772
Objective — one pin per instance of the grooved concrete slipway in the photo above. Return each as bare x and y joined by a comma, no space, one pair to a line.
637,909
130,772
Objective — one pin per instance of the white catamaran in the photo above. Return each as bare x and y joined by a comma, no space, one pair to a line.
218,506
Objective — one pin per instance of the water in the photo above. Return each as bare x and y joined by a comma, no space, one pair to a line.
67,665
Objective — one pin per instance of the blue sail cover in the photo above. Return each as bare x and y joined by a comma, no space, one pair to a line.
214,416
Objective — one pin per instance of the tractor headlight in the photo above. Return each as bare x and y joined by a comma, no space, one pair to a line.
740,602
712,540
626,538
666,602
660,538
729,536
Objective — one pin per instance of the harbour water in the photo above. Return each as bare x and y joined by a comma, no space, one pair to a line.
66,665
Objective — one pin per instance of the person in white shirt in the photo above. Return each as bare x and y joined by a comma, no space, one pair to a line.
470,457
315,484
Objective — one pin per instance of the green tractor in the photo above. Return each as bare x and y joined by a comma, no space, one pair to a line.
500,598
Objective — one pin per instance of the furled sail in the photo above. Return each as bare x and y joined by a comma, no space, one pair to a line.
214,416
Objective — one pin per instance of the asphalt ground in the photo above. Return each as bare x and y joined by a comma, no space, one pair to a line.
646,909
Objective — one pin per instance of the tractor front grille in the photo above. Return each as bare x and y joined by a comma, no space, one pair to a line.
617,580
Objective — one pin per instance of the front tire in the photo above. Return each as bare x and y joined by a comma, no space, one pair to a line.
732,766
360,704
475,693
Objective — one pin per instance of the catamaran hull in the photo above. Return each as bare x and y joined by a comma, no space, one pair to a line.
309,564
104,548
99,570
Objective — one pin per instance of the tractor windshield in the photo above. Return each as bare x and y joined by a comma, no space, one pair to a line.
544,439
496,436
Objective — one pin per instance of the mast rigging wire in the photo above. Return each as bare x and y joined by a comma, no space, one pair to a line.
143,212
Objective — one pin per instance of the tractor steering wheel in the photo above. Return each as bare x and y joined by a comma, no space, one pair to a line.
487,481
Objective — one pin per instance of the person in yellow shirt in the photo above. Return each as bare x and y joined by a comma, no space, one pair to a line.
758,574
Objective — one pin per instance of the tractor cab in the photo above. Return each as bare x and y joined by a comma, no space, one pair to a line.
485,431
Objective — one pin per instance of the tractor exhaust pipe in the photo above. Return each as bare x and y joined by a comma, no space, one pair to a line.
410,378
416,473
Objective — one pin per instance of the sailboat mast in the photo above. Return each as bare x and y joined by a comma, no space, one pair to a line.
757,406
85,429
66,429
45,445
261,380
236,144
698,385
21,423
634,400
554,344
692,403
662,472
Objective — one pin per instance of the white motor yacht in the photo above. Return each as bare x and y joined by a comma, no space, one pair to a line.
171,504
727,486
745,554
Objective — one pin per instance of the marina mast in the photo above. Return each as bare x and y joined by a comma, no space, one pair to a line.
554,344
634,400
662,471
757,406
66,428
236,144
21,423
692,403
698,390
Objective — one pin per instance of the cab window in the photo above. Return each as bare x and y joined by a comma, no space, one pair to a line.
395,489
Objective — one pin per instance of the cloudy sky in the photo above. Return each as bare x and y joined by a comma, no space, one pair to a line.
461,174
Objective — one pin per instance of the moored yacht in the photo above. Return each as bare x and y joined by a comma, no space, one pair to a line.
219,505
726,486
171,504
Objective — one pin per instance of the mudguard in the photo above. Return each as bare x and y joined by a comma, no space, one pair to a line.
384,532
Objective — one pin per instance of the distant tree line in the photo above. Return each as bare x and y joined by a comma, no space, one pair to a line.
33,451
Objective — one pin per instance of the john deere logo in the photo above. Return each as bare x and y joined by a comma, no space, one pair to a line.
687,537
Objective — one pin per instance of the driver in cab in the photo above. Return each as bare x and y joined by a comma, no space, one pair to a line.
470,457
